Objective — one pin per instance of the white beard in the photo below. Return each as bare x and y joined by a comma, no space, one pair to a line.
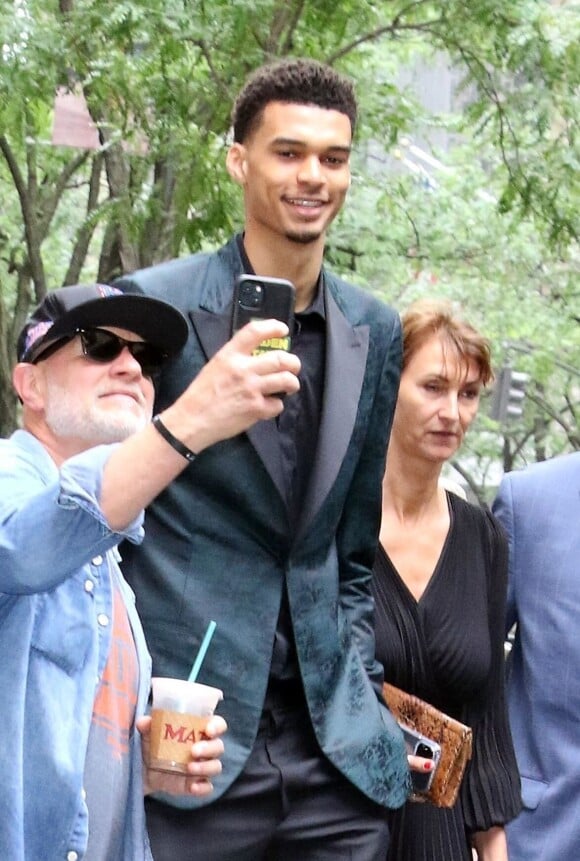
71,418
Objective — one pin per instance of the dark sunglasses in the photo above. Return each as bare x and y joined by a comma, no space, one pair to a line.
103,346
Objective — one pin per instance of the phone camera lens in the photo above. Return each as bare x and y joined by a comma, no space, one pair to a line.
424,751
251,294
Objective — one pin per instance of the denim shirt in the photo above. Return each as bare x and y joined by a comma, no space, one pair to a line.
57,558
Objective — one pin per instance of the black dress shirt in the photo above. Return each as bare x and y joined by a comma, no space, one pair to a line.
298,427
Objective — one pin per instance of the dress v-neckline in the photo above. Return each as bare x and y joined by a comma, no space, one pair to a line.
436,569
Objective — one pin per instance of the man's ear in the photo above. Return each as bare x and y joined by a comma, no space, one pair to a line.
25,379
236,163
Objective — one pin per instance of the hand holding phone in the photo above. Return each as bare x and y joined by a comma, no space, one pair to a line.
260,298
419,745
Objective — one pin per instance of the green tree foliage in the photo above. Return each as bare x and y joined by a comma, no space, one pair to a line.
442,234
496,228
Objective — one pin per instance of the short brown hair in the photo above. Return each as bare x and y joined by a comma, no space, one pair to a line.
297,81
427,317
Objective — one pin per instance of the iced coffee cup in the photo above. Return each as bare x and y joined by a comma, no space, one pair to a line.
179,716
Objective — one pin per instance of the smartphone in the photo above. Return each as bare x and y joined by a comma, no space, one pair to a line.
259,298
419,745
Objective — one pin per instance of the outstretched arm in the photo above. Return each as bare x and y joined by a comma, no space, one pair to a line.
232,392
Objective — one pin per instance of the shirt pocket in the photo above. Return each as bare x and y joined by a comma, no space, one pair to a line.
63,631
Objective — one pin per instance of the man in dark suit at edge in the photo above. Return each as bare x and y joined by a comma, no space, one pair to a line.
273,533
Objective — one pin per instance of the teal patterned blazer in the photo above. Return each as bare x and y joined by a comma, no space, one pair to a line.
219,546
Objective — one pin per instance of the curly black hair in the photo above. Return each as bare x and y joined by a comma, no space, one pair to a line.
299,81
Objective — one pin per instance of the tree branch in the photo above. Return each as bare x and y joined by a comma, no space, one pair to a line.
27,199
393,28
87,229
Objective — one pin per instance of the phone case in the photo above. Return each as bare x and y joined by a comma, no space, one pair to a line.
418,744
260,298
454,738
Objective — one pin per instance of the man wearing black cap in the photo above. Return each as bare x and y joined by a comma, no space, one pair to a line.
75,670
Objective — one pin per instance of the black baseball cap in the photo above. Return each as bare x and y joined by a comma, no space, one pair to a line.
87,306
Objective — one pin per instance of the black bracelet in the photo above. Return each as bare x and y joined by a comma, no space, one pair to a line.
183,450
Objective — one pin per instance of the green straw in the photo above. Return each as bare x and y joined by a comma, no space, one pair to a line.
202,650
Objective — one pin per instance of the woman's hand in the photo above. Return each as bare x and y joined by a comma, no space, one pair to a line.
490,845
418,763
205,762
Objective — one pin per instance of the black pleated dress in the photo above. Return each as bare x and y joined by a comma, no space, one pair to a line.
447,648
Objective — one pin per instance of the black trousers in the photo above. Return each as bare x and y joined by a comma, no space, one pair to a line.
288,804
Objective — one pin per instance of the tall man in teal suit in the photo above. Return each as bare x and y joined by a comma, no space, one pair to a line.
273,533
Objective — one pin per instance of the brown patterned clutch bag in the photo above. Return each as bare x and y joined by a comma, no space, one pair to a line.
454,737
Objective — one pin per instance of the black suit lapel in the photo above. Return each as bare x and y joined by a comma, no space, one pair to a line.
213,330
346,355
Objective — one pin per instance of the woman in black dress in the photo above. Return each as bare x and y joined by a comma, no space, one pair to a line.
440,587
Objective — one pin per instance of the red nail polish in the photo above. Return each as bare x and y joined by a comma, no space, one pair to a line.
428,765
